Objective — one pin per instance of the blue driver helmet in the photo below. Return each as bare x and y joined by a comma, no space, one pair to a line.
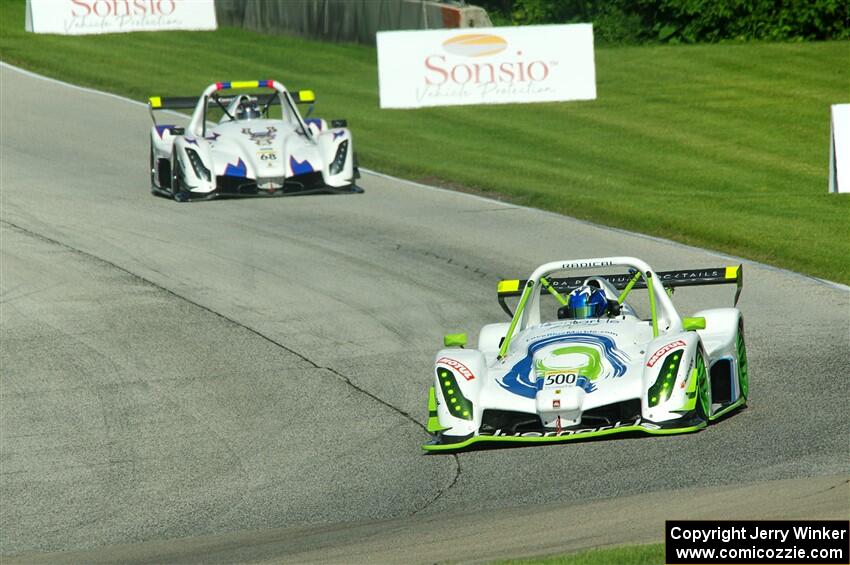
586,302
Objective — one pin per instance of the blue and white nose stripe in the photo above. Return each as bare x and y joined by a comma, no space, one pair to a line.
520,381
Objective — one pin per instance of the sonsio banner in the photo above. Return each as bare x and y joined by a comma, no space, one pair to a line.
78,17
498,65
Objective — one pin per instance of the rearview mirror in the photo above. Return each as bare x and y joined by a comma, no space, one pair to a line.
454,340
339,123
691,324
177,130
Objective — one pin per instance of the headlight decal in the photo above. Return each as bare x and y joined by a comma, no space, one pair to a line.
663,387
200,170
458,405
339,159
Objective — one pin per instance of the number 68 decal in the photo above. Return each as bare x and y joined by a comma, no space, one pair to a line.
561,379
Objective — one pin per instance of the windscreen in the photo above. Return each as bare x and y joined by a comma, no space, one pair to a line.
552,308
271,106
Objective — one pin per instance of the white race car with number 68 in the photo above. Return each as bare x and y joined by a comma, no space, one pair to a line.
249,144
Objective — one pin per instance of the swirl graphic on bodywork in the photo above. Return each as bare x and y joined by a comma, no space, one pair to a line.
519,379
587,371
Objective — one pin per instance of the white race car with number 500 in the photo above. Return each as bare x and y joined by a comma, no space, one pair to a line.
249,144
588,364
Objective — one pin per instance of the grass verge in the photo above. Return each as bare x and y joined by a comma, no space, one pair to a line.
720,146
627,555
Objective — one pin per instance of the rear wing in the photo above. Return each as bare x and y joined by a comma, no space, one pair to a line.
189,102
670,279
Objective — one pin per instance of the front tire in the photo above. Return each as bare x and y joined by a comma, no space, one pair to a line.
153,173
177,191
743,369
703,389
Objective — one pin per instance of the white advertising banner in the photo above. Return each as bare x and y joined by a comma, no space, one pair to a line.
497,65
839,149
79,17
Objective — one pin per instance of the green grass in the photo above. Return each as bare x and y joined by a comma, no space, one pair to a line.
628,555
720,146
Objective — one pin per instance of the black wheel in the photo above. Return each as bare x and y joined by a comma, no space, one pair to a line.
177,191
154,188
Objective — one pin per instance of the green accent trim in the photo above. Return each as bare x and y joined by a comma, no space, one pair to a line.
454,340
691,324
692,384
507,286
563,301
628,288
458,405
513,439
691,394
663,387
703,391
739,281
697,390
740,402
590,370
653,313
743,371
433,420
515,320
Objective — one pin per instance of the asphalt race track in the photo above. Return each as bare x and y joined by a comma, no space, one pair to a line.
246,379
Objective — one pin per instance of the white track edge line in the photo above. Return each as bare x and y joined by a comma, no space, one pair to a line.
734,258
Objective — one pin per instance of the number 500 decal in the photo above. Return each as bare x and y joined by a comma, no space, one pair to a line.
561,379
